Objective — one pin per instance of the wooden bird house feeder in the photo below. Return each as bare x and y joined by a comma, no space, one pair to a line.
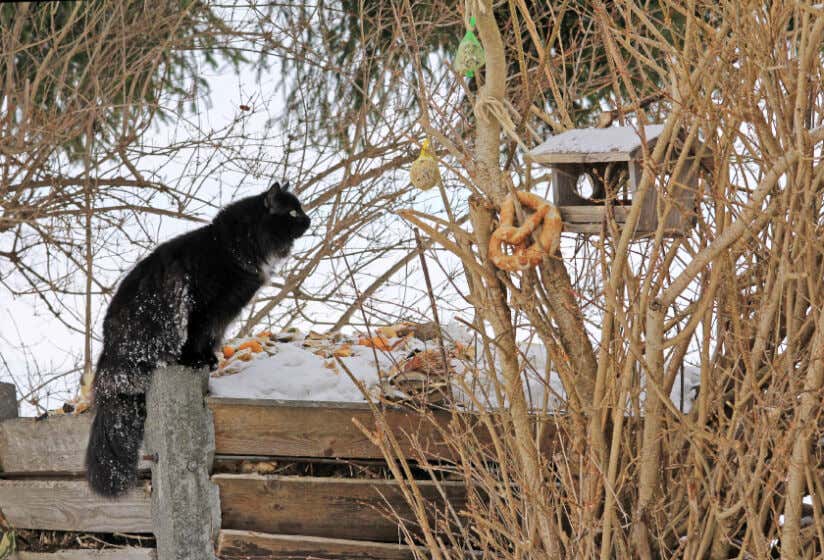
598,170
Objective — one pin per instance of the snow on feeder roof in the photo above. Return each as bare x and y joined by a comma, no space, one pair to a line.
585,145
595,169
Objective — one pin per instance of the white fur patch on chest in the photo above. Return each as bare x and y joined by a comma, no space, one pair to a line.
267,269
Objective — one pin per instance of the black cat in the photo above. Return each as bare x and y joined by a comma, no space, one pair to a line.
173,307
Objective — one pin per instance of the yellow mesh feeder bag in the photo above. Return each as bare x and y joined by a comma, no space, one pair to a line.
470,56
424,173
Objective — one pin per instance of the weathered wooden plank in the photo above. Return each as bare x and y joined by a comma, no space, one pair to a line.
588,219
591,213
311,429
250,545
591,229
129,553
69,505
54,445
322,507
328,429
580,157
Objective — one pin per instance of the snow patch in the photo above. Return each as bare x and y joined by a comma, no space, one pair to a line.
597,140
291,371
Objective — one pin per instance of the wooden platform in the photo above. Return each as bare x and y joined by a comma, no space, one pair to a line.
263,516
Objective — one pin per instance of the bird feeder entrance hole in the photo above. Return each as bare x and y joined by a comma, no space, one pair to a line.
594,170
600,183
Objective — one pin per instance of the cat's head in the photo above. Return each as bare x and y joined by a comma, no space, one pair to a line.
284,212
258,228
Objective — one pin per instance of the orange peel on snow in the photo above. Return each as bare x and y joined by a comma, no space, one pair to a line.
252,345
378,342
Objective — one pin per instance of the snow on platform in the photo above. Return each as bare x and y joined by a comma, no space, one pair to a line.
321,368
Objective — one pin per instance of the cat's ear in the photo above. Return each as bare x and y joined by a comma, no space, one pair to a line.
285,187
270,199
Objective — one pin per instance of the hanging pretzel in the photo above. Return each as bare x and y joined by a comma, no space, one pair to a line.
525,256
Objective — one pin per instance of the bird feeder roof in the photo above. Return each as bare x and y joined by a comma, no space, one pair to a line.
593,145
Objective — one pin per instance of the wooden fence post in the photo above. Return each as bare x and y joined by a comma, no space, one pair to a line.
8,401
180,435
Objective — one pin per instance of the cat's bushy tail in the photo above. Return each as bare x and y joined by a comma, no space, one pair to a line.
112,453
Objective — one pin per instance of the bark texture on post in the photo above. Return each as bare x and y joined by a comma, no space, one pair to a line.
496,310
8,401
180,434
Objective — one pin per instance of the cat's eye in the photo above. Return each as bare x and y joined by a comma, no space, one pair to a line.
293,213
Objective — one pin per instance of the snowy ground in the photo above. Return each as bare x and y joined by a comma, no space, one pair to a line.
321,369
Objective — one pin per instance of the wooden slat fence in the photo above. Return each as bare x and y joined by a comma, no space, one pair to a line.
263,516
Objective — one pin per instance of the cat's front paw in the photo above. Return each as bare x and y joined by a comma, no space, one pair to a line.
209,361
198,362
212,362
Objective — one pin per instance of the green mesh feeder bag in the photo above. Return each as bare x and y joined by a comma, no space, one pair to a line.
470,54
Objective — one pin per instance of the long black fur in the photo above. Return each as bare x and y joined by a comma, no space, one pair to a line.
174,307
